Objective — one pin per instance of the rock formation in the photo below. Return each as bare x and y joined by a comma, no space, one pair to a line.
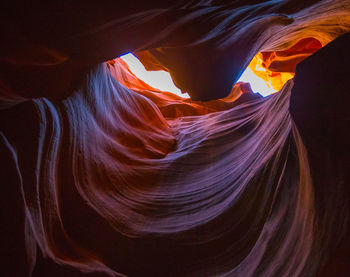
103,175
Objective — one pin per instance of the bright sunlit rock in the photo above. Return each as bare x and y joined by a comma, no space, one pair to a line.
257,84
162,80
158,79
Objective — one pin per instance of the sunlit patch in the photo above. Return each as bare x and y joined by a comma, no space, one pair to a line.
262,81
257,84
157,79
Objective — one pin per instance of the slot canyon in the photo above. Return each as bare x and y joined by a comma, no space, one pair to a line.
105,174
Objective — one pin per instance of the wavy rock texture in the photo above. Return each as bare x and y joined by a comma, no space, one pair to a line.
106,176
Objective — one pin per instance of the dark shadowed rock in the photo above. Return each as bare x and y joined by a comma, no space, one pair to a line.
320,107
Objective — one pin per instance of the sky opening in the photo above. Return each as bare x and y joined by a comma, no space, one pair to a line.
162,80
